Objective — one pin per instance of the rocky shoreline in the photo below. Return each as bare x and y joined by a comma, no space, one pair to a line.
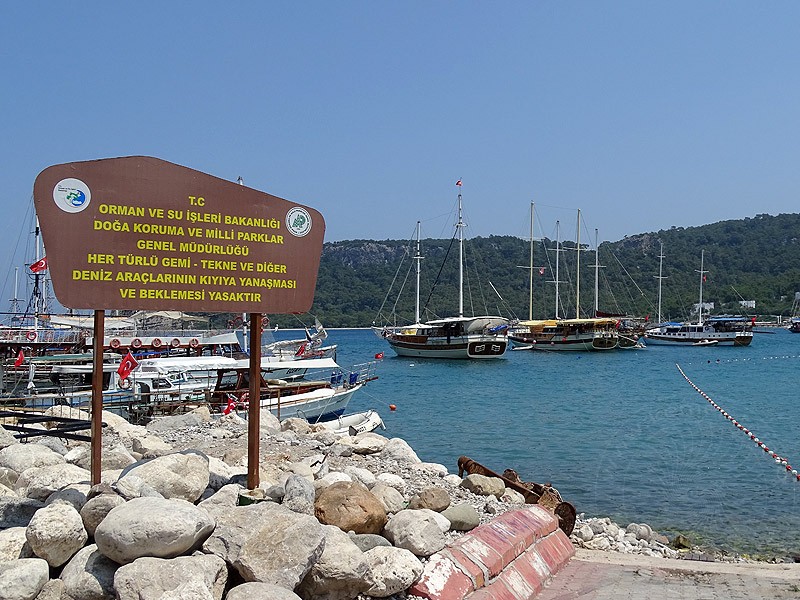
333,517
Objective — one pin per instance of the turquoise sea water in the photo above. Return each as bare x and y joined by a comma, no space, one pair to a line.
619,434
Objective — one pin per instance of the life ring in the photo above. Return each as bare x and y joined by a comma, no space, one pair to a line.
125,383
175,342
264,323
114,343
194,342
30,336
156,343
136,343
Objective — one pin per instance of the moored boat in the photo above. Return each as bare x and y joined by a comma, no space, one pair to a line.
721,330
471,337
566,334
355,423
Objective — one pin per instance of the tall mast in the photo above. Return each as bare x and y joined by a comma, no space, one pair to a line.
530,292
558,250
37,292
596,273
460,226
702,277
578,271
417,258
660,266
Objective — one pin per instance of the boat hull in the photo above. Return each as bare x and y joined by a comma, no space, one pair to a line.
478,347
719,339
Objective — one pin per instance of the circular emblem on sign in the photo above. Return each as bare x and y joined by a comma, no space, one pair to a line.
71,195
298,221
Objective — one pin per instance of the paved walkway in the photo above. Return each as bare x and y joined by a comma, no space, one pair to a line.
609,575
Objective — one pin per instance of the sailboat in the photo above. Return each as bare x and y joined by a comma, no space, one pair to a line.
452,337
559,334
713,331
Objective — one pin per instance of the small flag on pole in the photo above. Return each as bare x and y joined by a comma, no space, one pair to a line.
39,265
541,270
231,406
458,183
127,365
20,358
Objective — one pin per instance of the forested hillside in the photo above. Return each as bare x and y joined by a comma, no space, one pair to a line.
750,259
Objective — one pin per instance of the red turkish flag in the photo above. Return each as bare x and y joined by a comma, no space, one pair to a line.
127,365
20,358
458,183
39,265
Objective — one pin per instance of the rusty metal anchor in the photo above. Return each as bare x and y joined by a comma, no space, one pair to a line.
535,493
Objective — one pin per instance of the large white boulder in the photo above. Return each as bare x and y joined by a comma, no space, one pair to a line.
152,527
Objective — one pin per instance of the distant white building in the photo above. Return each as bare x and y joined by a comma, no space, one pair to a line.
747,303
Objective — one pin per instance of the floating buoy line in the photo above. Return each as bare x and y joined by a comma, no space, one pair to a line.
780,460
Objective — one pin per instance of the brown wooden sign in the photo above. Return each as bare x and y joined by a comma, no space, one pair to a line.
141,233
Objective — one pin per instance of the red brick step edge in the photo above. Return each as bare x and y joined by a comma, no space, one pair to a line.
510,558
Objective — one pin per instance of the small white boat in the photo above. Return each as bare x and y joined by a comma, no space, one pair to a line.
355,423
705,343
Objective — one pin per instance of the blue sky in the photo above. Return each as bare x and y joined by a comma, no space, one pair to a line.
645,115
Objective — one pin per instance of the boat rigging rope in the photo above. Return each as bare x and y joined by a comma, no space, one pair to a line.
778,459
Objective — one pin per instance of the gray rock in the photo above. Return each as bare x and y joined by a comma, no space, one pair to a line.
95,510
74,494
23,579
219,473
14,544
17,512
399,450
198,577
368,541
260,591
181,475
56,533
150,446
39,482
267,542
223,500
282,550
89,575
365,476
132,486
433,498
52,590
341,573
6,438
484,486
55,444
416,531
299,495
393,480
393,570
19,457
152,527
462,517
114,456
584,532
391,499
